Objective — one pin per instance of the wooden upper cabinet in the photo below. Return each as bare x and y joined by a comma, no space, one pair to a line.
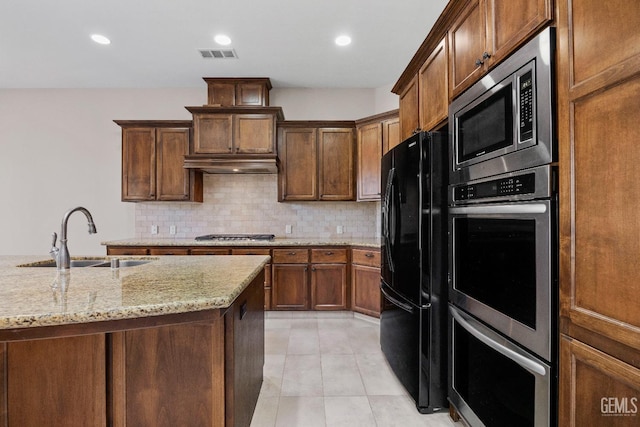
375,134
172,177
409,110
433,83
254,133
153,159
316,162
336,149
468,47
369,155
512,22
231,92
390,133
298,152
138,164
234,130
212,133
486,32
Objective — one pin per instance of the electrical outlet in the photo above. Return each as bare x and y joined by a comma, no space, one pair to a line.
172,229
154,229
340,229
287,229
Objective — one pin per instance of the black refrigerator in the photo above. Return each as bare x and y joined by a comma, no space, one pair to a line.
413,324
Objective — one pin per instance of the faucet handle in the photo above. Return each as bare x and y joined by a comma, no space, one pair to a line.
54,250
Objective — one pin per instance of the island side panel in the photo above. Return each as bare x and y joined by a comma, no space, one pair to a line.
244,340
3,385
169,375
59,381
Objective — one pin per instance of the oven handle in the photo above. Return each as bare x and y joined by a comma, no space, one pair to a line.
528,364
528,208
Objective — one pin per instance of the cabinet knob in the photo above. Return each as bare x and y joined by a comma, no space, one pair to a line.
328,253
486,55
479,62
291,253
369,255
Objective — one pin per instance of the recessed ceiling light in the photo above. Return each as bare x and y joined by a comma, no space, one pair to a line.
222,39
98,38
343,40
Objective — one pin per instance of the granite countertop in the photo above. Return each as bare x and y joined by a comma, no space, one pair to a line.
278,241
40,296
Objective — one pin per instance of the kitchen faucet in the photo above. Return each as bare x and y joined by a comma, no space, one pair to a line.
61,255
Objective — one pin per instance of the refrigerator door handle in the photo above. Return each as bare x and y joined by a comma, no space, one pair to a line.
403,305
386,217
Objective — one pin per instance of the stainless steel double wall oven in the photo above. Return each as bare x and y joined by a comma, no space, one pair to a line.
502,231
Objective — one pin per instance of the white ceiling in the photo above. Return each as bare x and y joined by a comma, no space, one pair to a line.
46,43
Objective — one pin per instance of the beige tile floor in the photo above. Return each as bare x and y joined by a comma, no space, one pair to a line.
327,370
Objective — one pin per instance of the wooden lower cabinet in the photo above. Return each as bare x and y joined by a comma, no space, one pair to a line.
329,279
366,297
190,369
596,389
54,382
290,287
302,278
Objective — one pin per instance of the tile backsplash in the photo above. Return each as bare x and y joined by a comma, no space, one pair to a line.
249,204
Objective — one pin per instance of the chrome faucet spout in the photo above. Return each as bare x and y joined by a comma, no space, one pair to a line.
61,254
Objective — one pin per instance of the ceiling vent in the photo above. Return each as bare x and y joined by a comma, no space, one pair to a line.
218,53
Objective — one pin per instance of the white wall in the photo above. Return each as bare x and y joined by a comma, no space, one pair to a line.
60,149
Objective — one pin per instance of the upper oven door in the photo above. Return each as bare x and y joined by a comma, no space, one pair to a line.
501,270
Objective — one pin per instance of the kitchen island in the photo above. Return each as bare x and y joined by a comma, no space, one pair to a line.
174,341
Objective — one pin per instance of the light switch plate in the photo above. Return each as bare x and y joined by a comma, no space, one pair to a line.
340,229
172,229
154,229
287,229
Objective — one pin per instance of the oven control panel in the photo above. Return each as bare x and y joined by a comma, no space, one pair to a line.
510,186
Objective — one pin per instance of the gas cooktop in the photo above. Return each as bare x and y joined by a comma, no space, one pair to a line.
224,237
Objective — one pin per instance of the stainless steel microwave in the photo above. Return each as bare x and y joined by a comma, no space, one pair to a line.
504,122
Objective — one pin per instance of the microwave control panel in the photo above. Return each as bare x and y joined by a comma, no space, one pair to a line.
525,89
511,186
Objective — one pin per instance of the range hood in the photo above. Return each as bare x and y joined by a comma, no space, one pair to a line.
235,164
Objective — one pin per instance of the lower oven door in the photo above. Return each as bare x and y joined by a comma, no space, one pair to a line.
494,382
502,269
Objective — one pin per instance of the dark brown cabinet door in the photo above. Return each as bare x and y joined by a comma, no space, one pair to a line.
434,88
254,133
390,134
290,287
329,286
54,382
298,177
365,290
138,164
336,164
467,44
369,155
212,133
511,22
172,178
409,113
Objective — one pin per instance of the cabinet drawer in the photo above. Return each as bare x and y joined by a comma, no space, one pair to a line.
209,251
250,251
366,257
290,256
127,250
329,255
169,251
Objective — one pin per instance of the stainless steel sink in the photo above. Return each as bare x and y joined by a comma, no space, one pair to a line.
101,262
